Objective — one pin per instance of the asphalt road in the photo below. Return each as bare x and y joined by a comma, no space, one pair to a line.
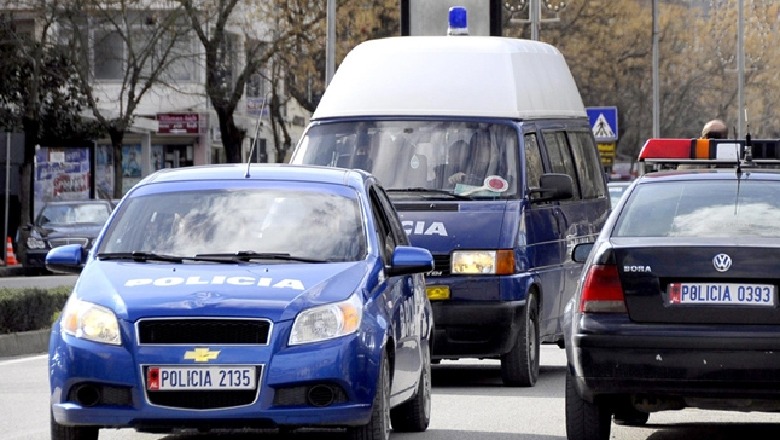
469,403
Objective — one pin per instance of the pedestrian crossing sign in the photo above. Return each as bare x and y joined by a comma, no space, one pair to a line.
603,122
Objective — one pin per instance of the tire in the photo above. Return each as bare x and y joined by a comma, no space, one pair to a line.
62,432
520,366
414,415
585,420
378,427
630,417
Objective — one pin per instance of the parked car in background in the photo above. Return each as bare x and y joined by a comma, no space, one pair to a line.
677,304
63,222
237,296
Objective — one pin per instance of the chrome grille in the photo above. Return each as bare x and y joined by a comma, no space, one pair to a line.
441,263
204,331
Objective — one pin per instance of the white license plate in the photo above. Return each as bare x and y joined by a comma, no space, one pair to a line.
212,377
722,293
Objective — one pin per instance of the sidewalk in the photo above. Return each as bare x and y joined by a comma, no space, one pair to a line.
11,271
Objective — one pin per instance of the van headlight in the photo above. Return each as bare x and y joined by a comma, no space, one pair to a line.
90,321
494,262
328,321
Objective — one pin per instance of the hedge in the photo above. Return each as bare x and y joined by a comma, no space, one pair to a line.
30,308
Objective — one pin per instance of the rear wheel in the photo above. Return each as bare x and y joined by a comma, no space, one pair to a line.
62,432
585,420
378,427
520,366
414,415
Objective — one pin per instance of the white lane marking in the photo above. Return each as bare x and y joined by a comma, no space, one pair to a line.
23,359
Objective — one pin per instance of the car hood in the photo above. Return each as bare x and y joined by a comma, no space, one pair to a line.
442,229
141,290
63,231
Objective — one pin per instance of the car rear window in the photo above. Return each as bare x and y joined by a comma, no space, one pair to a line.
707,208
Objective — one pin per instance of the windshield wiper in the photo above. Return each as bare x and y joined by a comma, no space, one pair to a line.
139,256
428,191
252,255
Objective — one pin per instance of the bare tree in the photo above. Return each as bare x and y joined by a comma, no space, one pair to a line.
38,94
124,48
218,23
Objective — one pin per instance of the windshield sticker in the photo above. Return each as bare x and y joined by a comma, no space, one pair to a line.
217,280
491,184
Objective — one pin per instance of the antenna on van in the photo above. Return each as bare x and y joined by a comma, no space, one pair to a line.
257,130
458,23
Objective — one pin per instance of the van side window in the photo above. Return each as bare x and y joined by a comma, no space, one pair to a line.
589,169
533,161
560,157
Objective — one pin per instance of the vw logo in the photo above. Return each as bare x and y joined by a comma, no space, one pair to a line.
722,262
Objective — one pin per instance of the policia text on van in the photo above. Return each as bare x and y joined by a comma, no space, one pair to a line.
485,148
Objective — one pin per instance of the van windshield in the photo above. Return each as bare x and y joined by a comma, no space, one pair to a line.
425,158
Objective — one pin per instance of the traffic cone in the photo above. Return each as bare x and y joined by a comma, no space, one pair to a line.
10,258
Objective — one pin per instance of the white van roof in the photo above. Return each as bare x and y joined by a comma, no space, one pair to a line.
452,76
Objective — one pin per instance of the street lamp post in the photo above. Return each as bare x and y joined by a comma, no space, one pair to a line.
534,8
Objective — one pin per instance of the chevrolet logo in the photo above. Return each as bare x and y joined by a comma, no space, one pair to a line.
201,355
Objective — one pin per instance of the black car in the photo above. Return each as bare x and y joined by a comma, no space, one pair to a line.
677,304
64,222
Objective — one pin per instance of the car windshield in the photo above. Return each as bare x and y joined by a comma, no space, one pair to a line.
246,223
74,213
427,158
705,208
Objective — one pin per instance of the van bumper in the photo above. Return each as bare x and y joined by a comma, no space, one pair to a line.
474,328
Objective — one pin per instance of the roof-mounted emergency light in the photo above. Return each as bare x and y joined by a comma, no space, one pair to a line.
458,24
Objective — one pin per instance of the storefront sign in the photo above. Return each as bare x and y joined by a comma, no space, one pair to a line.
178,123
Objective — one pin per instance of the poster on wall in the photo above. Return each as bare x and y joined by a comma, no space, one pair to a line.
61,174
104,171
131,166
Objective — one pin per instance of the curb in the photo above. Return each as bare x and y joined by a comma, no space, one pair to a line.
23,343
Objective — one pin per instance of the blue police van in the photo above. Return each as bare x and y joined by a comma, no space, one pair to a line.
484,146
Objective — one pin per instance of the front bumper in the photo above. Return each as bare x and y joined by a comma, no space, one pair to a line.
36,258
714,362
347,364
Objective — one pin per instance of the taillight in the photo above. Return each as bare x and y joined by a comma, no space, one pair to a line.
601,291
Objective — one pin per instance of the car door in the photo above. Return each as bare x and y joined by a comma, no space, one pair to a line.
399,291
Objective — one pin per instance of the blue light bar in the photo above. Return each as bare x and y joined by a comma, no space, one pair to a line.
458,24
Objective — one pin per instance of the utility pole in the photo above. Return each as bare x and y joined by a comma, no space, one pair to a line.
330,45
656,94
741,110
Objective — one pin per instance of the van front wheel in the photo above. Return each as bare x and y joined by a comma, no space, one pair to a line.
520,366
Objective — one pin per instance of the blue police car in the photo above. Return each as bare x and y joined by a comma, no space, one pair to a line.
677,304
236,296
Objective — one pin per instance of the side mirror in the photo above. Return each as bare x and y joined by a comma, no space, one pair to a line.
67,259
408,259
581,251
554,186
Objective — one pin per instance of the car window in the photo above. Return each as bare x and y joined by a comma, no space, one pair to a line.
702,209
560,157
310,224
589,170
74,213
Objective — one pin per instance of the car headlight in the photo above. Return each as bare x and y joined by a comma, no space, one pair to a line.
500,262
329,321
35,243
90,321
